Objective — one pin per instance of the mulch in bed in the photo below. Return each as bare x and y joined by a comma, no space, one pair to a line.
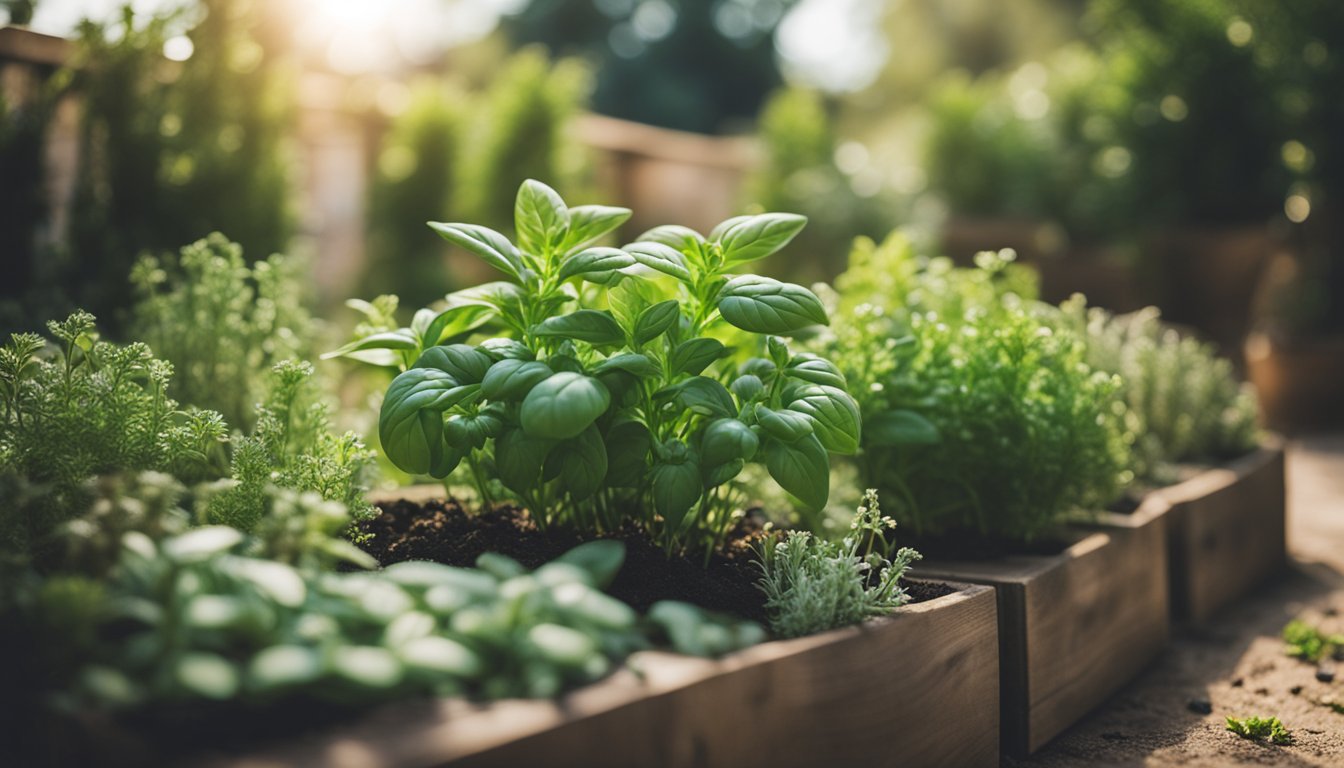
442,531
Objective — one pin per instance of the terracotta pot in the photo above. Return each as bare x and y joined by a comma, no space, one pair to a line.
1299,382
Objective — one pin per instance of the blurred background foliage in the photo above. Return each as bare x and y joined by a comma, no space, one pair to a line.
1106,124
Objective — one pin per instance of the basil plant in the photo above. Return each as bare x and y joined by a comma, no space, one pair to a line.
611,391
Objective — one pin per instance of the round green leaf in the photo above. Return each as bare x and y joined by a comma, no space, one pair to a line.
410,424
802,468
494,248
463,362
725,440
540,217
762,305
595,262
511,379
656,320
207,675
660,258
836,416
583,463
815,370
676,488
202,543
755,237
519,459
563,406
785,425
593,326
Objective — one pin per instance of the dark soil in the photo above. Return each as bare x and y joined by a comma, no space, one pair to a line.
444,532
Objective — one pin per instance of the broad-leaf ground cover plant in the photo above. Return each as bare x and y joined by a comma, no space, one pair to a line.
618,383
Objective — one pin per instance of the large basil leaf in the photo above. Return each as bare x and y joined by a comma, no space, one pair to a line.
563,406
693,356
595,261
583,463
703,395
674,236
399,340
755,237
676,488
784,425
802,468
726,440
628,445
506,349
519,459
463,362
494,248
593,326
815,370
410,424
540,218
656,320
899,427
835,414
630,362
762,305
630,296
589,222
512,379
661,258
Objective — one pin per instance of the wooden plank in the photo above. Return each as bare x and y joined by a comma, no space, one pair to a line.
24,45
1227,531
917,688
1073,627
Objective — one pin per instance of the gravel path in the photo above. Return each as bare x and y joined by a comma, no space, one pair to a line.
1235,665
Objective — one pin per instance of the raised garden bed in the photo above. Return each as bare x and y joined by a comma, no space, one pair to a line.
920,687
1225,530
1074,626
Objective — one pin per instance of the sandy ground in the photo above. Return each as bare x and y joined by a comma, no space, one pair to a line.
1236,663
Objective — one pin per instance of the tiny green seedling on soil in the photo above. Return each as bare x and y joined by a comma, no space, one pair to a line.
1260,729
1308,643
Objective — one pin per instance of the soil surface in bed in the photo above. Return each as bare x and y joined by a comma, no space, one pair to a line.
444,532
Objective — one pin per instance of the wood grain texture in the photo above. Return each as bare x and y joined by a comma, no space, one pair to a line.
1227,531
1073,627
919,688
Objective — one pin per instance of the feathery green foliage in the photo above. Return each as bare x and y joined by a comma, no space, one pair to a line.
1260,729
980,417
1185,402
812,585
90,407
292,446
222,323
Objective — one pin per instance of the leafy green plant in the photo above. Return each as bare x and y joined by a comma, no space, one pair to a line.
1185,402
1303,641
609,397
292,446
1260,729
222,323
90,408
980,417
812,585
187,615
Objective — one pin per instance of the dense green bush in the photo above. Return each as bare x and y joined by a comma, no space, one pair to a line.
980,417
172,152
418,161
1185,402
222,323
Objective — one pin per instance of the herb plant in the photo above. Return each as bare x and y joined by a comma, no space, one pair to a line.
221,322
812,585
609,393
1260,729
1303,641
1185,402
980,417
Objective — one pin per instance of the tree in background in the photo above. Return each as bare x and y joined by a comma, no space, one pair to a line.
694,65
522,133
413,184
171,152
798,173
